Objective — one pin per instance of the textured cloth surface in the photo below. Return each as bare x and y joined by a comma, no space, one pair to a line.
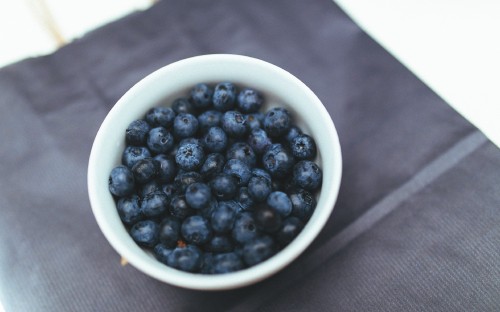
416,225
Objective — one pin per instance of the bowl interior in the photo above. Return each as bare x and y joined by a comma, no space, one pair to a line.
160,88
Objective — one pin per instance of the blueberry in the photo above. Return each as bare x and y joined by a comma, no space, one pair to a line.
292,133
280,202
278,161
145,233
223,216
215,140
289,230
150,187
258,172
146,170
133,154
303,147
160,140
212,166
185,125
258,250
307,175
169,232
184,179
259,141
160,117
169,189
223,186
168,169
129,209
277,122
198,195
254,121
207,263
234,124
188,258
179,208
183,106
201,96
136,132
161,252
259,188
154,204
208,119
249,101
224,96
244,229
267,219
219,243
196,230
226,263
121,181
239,170
303,204
206,212
242,151
189,156
245,201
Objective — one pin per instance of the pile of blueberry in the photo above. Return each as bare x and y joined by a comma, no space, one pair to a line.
211,185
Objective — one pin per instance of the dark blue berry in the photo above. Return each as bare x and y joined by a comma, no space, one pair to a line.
278,161
133,154
169,232
267,219
244,199
277,122
161,252
196,230
226,263
259,188
198,195
206,212
185,125
183,106
188,258
303,147
160,140
307,175
209,119
224,96
259,141
121,181
150,187
223,216
258,250
184,179
291,227
239,170
242,151
137,132
254,121
168,169
303,204
201,96
160,117
220,243
212,166
292,133
280,202
154,204
189,156
244,229
146,170
234,124
206,263
215,140
258,172
224,186
191,140
145,233
249,101
129,209
169,189
179,208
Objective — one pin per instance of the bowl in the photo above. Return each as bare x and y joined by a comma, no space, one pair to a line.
280,88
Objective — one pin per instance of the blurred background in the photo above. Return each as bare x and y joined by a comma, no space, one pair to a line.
452,45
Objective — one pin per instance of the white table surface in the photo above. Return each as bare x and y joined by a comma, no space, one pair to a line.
451,45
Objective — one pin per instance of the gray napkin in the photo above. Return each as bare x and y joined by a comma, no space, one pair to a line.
416,225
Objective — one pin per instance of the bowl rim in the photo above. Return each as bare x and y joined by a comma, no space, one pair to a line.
232,280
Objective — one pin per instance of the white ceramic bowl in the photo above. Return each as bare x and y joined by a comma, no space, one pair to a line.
280,88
